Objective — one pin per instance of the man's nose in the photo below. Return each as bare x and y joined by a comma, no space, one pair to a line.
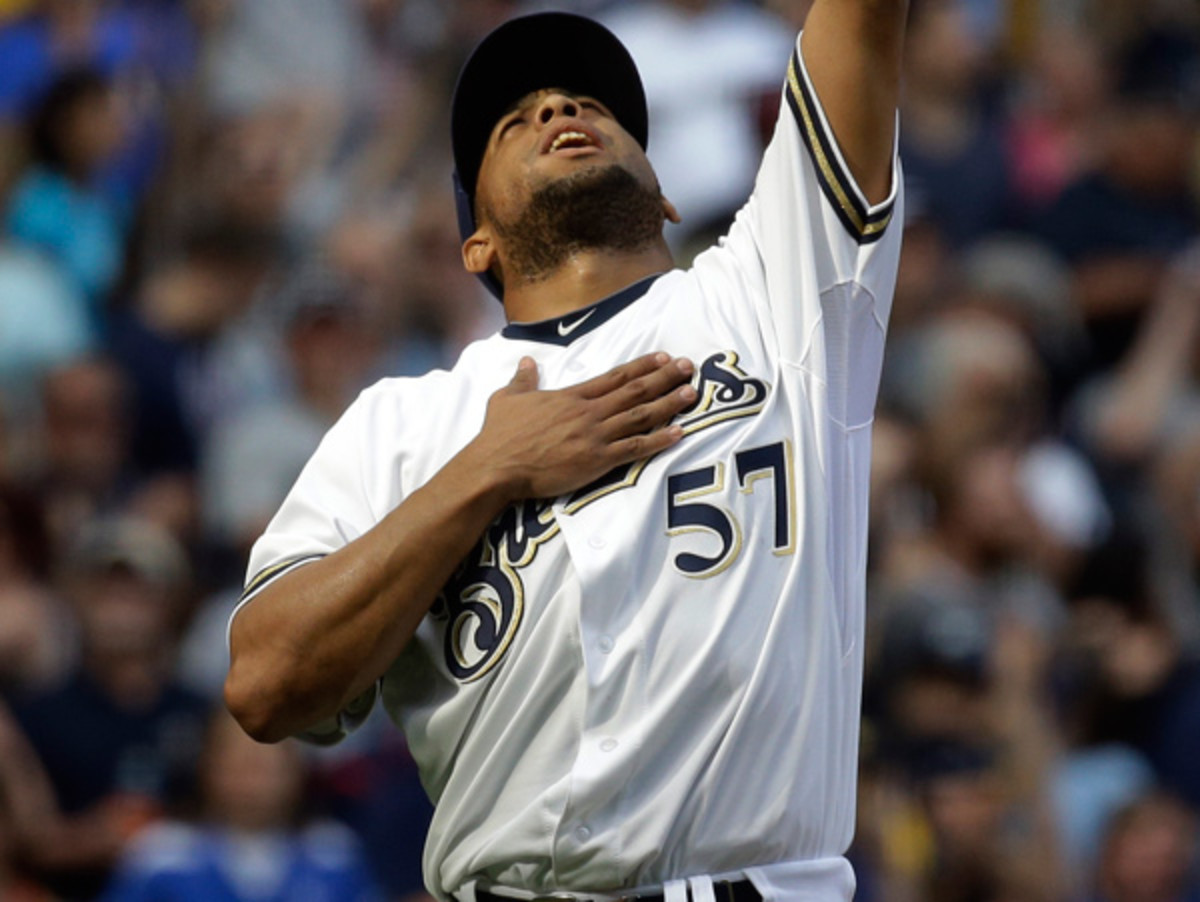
554,105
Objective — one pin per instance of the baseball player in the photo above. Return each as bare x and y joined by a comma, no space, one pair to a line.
607,573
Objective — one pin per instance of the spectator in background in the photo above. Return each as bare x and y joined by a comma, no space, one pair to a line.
144,45
1019,514
80,464
1175,480
1149,854
929,681
1100,771
961,748
951,141
1017,278
1139,421
59,35
170,342
260,52
44,322
1057,125
251,842
25,798
429,307
57,205
36,635
1119,225
1139,688
118,738
260,167
711,71
376,790
965,800
298,98
79,468
1130,412
254,456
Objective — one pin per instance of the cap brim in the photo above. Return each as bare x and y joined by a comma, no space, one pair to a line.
527,54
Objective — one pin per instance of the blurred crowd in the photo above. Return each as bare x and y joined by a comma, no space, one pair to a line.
221,219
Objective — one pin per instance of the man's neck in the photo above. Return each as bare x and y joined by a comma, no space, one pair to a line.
583,279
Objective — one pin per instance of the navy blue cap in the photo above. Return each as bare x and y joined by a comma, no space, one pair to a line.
527,54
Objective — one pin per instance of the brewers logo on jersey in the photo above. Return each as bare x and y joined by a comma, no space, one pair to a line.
658,674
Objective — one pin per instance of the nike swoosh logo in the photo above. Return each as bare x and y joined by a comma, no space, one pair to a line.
564,329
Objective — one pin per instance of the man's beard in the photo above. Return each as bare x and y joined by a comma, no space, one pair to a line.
602,209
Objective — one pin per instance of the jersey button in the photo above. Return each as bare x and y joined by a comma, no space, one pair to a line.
597,542
605,644
608,745
583,834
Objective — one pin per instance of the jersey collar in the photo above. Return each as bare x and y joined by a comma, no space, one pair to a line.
562,330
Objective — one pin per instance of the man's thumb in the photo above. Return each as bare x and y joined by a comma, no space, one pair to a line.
526,376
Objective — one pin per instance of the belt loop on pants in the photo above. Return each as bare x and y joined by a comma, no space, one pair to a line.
702,889
675,891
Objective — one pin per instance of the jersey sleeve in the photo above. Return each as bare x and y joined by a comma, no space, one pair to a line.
326,509
815,258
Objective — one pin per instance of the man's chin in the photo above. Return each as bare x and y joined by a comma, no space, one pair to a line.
577,171
597,206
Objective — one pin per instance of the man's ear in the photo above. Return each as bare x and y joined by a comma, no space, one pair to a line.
479,252
670,213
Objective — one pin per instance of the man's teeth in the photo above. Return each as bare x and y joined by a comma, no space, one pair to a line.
572,139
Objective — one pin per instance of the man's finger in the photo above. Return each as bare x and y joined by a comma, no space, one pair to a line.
609,382
645,389
651,415
639,447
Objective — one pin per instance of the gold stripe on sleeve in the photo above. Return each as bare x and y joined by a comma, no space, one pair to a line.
271,573
834,180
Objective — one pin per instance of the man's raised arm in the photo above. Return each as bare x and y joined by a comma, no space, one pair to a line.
852,50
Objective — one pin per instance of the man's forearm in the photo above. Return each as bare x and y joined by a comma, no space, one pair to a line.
319,636
853,52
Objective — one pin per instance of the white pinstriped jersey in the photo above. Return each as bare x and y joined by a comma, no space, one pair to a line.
657,676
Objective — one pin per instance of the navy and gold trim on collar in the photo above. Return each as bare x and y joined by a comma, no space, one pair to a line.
563,330
267,576
864,224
